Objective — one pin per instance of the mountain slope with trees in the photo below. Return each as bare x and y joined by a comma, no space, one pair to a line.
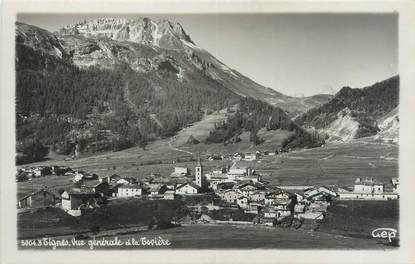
362,107
78,91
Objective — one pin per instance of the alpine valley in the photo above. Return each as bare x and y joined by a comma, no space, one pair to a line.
111,84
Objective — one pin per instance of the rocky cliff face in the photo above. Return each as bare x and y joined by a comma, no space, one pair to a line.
143,44
160,33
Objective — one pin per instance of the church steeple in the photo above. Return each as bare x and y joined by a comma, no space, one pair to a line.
199,179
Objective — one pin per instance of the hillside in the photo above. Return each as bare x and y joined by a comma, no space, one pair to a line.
110,84
355,113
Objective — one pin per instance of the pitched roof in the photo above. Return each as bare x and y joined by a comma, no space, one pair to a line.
36,192
92,183
191,184
132,186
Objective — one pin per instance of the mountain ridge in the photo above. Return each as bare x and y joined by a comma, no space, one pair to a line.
99,93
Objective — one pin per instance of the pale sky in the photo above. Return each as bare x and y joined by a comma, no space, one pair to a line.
296,54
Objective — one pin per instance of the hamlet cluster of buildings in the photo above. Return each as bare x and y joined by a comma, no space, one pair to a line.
236,187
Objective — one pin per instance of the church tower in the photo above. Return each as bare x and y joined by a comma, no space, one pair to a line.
199,174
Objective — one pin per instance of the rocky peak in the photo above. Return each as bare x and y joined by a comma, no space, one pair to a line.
39,39
160,33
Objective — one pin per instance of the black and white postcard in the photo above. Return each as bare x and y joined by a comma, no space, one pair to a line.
145,129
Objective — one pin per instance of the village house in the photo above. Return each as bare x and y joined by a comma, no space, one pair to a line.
281,201
130,190
155,189
367,189
74,201
38,199
216,179
367,186
127,180
258,195
168,195
180,172
247,189
113,189
96,187
319,194
60,170
109,179
254,207
187,188
251,156
230,196
42,171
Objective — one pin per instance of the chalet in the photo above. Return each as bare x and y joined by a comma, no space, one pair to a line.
129,190
96,187
318,206
38,199
230,196
247,189
187,188
74,201
278,199
126,180
154,189
258,195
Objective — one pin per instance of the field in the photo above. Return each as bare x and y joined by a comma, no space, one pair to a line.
117,214
348,225
338,164
358,218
